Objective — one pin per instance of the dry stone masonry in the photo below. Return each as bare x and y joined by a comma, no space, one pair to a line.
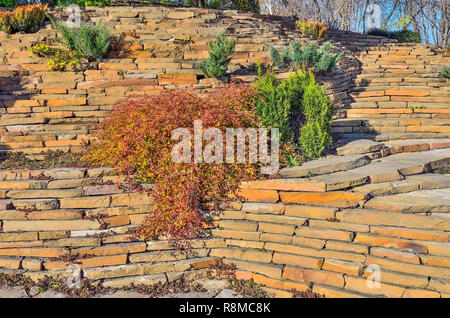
57,218
154,49
383,199
399,95
328,221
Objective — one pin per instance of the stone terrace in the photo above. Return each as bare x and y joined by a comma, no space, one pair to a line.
55,218
382,199
154,49
327,221
399,95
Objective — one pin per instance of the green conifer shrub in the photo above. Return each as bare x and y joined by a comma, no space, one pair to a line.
216,65
299,108
315,135
314,58
279,102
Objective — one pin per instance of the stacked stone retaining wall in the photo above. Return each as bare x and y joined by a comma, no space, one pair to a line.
57,221
153,49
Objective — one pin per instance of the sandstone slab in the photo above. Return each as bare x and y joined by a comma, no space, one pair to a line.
285,185
360,146
416,202
341,180
324,166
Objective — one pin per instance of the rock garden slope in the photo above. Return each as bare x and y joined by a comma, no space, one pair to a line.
330,224
381,202
154,49
55,220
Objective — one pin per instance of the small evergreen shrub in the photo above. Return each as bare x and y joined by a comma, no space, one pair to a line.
445,72
402,36
316,30
315,135
216,65
300,109
311,57
90,40
279,102
215,4
28,18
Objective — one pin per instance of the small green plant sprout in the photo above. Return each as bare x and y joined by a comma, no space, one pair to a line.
418,107
293,161
216,65
55,284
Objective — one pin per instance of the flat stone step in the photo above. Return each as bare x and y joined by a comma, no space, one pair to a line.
391,122
22,177
137,280
342,179
377,172
292,184
360,146
395,112
428,160
427,181
422,201
394,136
414,145
391,168
325,166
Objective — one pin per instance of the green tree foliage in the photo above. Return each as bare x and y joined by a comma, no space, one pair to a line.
216,65
245,5
314,58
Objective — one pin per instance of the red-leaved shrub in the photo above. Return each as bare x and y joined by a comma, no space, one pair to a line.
136,139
